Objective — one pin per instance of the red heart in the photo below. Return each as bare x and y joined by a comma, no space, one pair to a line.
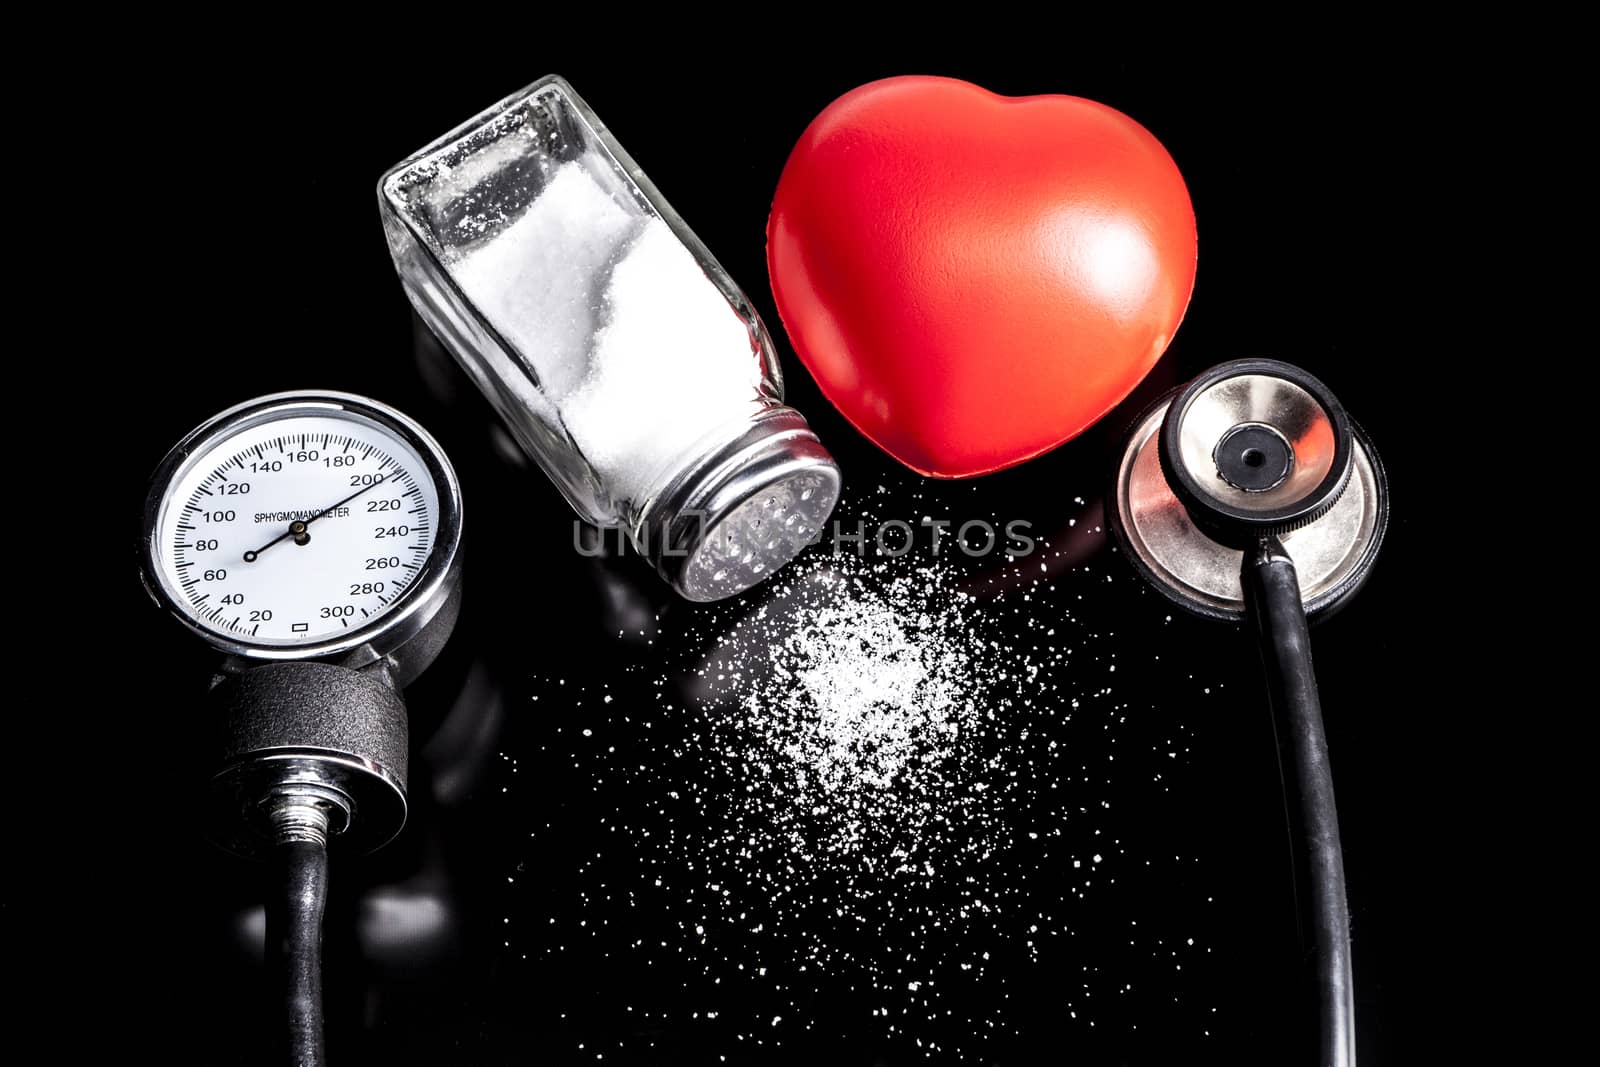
973,279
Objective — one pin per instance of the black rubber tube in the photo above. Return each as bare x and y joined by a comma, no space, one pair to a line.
294,935
1272,591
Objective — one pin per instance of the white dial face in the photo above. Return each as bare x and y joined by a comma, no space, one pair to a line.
296,528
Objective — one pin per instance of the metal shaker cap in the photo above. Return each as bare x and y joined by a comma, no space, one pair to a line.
745,511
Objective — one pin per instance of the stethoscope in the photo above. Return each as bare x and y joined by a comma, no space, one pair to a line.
1249,495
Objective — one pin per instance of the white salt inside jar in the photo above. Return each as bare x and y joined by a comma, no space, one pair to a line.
641,354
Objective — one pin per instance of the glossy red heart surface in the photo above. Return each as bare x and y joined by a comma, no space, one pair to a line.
974,279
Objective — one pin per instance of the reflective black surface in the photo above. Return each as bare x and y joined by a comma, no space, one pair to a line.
549,901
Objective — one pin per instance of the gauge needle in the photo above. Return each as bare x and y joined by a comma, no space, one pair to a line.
297,529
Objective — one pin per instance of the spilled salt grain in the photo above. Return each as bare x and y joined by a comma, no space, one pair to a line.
863,779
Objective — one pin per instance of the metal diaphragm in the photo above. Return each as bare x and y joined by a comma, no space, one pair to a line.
1255,447
1330,524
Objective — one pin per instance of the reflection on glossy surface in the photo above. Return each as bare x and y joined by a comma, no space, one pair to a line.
407,927
461,747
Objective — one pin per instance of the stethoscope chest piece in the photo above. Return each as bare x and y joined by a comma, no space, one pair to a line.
1252,448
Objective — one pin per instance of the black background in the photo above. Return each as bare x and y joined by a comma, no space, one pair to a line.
265,269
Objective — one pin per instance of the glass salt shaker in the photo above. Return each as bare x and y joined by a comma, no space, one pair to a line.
617,350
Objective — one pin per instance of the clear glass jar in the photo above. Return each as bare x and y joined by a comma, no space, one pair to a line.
618,351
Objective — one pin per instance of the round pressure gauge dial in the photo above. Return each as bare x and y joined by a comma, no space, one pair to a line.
304,525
